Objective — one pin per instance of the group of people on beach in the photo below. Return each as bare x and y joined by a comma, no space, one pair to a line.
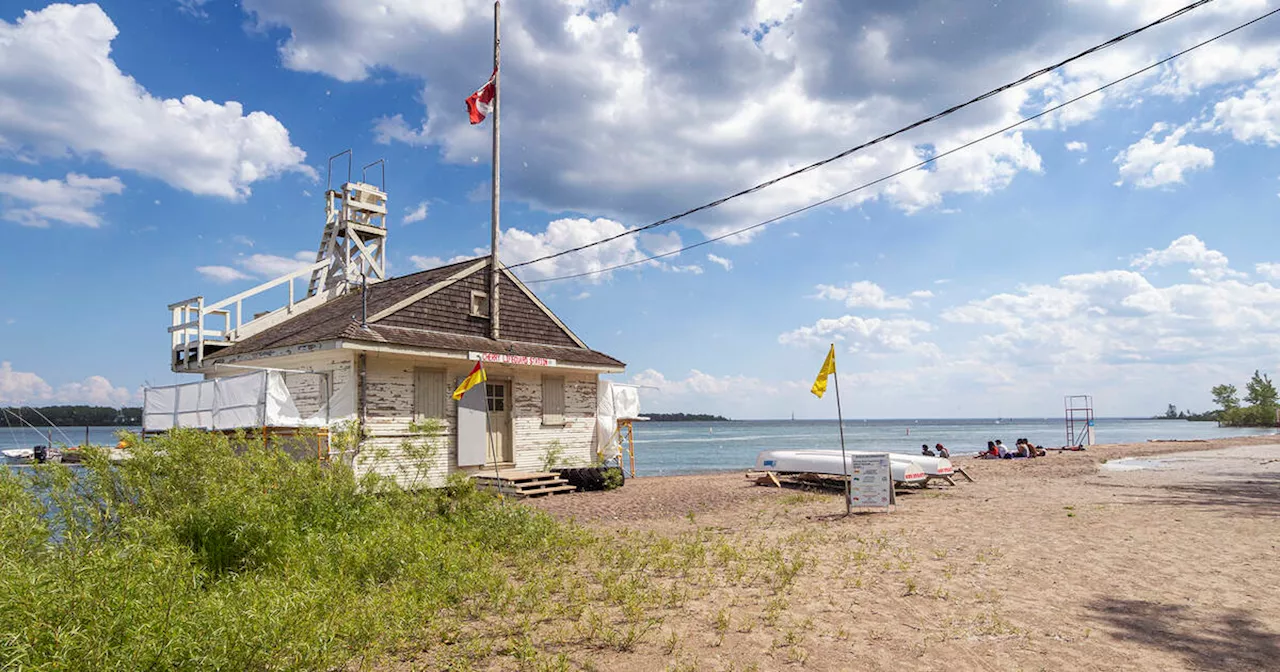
1023,448
939,450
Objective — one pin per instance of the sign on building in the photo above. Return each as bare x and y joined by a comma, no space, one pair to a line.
497,358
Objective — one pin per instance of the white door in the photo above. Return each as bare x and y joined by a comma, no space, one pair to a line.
498,395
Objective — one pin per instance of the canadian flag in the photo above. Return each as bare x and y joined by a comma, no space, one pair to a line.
480,103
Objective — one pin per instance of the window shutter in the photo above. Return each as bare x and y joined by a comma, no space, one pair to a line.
552,400
428,394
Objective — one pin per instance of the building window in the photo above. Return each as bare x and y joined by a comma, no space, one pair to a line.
479,304
428,394
496,394
552,400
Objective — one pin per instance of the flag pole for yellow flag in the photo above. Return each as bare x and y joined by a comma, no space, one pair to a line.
820,388
844,460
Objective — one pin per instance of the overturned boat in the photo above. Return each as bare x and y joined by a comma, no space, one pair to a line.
829,462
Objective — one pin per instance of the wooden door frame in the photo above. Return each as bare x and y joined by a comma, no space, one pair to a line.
509,384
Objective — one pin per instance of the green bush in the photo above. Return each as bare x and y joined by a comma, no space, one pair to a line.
208,552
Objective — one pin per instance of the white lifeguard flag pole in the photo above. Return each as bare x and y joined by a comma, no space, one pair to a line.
820,388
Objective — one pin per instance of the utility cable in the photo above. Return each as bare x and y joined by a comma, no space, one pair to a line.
925,162
887,136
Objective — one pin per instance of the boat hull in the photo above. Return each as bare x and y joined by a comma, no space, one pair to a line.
829,462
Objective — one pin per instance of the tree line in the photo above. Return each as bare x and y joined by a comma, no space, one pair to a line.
685,417
73,416
1258,409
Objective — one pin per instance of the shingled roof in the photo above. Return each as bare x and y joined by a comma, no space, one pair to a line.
439,320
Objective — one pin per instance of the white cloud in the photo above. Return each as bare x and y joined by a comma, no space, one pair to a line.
426,263
518,246
242,240
1270,270
271,266
1077,146
921,294
61,93
867,294
726,264
1148,163
697,391
1189,250
257,266
872,336
221,274
1253,116
417,214
26,388
70,201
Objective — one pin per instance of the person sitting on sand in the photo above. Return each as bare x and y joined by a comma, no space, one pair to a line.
1001,451
942,451
924,450
990,452
1022,449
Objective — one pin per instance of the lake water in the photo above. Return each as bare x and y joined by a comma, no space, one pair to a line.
664,448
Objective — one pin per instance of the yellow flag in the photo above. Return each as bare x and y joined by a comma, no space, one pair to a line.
474,378
828,367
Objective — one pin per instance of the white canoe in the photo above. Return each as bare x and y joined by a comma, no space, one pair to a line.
933,466
18,453
828,462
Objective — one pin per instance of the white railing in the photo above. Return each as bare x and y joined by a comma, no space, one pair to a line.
190,332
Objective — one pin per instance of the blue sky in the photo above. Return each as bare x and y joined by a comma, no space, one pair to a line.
1122,247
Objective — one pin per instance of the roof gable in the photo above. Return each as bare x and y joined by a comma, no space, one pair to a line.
431,309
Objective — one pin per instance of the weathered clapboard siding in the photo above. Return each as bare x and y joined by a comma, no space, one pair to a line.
389,398
389,408
533,440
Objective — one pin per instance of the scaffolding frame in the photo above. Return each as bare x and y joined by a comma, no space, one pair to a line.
1078,415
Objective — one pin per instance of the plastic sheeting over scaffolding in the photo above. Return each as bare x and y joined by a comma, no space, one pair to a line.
258,399
614,402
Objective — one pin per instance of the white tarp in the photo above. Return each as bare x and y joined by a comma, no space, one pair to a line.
256,399
614,402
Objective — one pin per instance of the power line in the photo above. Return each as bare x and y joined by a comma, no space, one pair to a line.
925,162
887,136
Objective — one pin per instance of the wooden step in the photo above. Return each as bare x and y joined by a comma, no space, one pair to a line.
523,483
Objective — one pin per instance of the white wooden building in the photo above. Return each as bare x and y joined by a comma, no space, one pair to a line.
399,346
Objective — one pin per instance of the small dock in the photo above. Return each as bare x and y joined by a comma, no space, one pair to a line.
523,484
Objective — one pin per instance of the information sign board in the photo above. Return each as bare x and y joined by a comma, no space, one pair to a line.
870,480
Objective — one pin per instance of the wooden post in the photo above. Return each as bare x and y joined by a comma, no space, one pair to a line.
497,174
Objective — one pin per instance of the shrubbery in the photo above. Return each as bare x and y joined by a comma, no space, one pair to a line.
193,555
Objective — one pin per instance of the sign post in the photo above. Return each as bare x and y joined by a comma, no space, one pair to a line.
870,481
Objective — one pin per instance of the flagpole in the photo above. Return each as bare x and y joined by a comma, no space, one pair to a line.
844,460
497,174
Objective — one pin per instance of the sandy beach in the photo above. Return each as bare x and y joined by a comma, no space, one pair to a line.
1077,561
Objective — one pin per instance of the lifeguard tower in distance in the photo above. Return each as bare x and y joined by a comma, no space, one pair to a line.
352,252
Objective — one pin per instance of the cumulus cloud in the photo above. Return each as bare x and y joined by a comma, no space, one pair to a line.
61,93
873,336
700,390
221,274
1253,116
720,261
1268,270
1191,251
1151,163
755,98
73,200
257,266
519,246
1077,146
867,294
416,214
27,388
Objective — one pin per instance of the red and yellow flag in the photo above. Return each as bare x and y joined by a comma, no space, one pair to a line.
828,367
474,378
